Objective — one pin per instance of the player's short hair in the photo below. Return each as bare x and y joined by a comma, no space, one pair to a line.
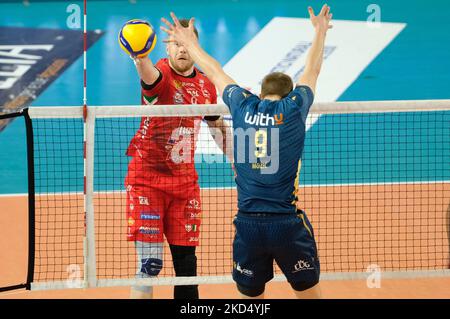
276,83
185,23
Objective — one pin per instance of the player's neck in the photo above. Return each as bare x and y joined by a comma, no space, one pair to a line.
273,97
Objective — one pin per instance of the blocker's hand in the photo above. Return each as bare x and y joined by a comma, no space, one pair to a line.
178,33
321,22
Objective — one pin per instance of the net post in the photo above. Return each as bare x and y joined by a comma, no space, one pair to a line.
31,198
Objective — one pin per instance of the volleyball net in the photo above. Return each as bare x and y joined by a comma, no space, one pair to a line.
374,182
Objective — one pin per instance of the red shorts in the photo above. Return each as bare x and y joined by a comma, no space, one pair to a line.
168,206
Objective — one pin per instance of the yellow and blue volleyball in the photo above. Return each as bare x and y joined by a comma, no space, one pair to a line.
137,38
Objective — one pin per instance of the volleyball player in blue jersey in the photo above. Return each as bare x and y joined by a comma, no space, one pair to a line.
268,224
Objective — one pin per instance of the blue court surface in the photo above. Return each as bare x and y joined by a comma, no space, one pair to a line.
415,64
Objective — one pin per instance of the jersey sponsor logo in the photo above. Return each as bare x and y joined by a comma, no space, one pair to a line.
193,239
245,272
231,90
278,119
261,119
302,265
194,215
194,95
150,216
144,128
193,204
206,94
177,84
190,227
188,84
185,131
149,230
178,97
143,200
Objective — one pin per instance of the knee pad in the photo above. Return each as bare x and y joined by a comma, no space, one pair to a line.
149,259
151,266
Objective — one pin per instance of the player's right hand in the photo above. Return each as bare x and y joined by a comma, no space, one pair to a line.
321,22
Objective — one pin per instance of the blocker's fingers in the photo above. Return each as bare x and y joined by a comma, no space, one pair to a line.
166,22
323,10
311,12
191,23
175,19
166,30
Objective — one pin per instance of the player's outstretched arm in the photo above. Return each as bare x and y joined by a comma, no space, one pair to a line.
186,36
321,24
146,70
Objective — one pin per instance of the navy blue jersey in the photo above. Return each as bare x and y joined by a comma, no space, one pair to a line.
268,143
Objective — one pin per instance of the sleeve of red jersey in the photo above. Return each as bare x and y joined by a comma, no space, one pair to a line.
151,92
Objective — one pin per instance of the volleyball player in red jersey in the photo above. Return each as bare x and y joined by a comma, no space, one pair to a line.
163,195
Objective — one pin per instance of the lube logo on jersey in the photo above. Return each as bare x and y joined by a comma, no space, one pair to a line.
261,119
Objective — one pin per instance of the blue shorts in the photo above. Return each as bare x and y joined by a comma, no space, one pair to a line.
286,238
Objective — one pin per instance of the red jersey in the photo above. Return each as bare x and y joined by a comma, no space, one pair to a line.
166,145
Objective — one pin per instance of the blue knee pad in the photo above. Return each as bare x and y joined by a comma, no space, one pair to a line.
151,266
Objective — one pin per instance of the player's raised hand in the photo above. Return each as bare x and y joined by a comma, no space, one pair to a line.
321,22
178,33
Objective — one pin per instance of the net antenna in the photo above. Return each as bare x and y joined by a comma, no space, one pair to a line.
88,190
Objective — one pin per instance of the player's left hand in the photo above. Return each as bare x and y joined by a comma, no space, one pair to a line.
322,21
178,33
